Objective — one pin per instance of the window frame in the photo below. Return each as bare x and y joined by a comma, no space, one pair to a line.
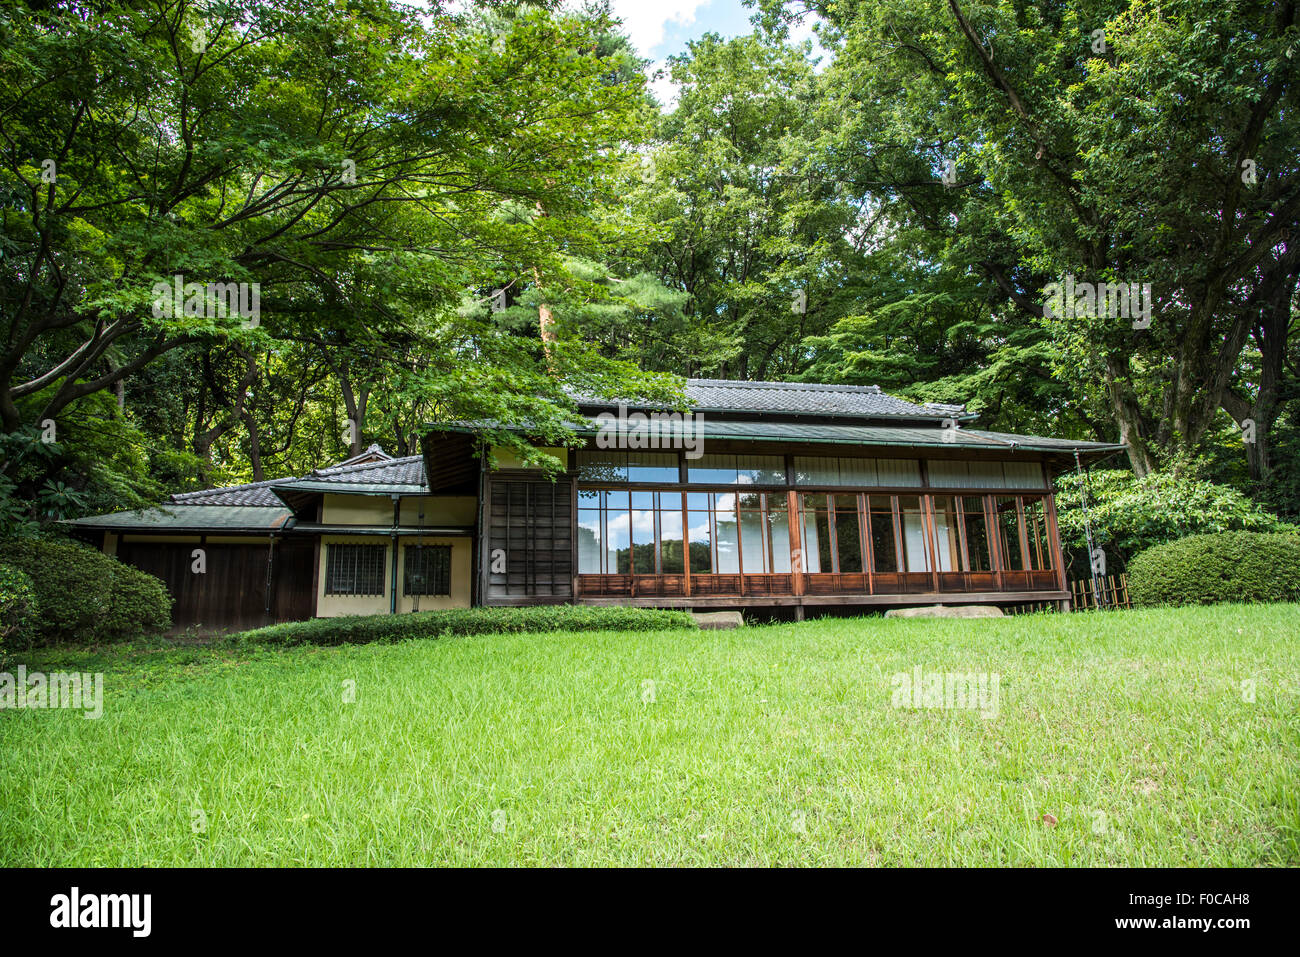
334,554
420,549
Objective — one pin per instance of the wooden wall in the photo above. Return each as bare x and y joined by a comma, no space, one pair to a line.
527,553
231,594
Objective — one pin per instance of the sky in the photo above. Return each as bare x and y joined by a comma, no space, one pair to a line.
660,28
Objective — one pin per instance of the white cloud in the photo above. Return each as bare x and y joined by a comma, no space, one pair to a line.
645,21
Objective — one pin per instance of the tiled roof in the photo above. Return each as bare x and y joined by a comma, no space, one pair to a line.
180,518
252,493
386,471
839,433
403,471
798,398
255,506
370,454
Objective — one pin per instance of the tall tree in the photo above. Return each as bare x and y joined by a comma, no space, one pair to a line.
350,161
1108,141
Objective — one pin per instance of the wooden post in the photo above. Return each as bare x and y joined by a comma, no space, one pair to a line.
797,557
686,542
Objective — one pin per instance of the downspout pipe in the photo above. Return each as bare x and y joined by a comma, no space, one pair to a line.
1098,596
392,591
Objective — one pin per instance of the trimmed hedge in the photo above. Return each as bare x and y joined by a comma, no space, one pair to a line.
18,607
85,596
1223,567
359,629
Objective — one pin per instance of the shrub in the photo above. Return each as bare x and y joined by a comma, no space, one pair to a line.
1224,567
1129,514
17,608
85,596
358,629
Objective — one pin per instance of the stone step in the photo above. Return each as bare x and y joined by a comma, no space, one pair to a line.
718,620
946,611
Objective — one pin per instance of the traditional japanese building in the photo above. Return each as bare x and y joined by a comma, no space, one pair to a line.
765,494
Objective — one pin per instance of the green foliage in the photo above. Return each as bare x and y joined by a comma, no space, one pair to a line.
1218,568
1001,147
359,629
84,596
18,606
1129,514
363,163
744,221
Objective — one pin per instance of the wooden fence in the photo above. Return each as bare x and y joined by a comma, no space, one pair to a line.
1109,591
1112,592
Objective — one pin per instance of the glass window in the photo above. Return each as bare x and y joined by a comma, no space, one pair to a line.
1023,474
948,474
643,534
1040,549
712,470
947,537
916,549
726,534
812,470
977,534
652,467
700,531
816,534
986,475
426,570
671,556
647,532
589,539
606,467
818,470
760,469
778,532
858,472
354,569
1009,534
848,537
898,473
618,535
883,543
753,540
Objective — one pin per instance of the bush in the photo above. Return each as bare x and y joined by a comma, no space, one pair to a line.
18,607
1225,567
1130,514
85,596
358,629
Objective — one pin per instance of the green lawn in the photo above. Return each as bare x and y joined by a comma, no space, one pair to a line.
761,746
